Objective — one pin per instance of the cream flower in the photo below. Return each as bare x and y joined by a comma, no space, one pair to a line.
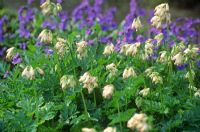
124,48
81,49
108,91
67,81
197,93
47,8
28,73
109,49
112,69
161,15
159,38
178,58
138,121
45,36
10,53
110,129
40,71
128,72
136,24
88,130
61,46
156,78
163,56
144,92
89,82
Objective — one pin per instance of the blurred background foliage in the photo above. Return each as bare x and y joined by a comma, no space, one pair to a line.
179,8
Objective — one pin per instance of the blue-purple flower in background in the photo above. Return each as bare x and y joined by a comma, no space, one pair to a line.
25,16
16,59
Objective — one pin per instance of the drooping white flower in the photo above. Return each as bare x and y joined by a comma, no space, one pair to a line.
159,38
163,56
178,59
46,36
128,72
197,93
88,130
28,73
109,49
81,49
161,15
136,24
61,46
67,81
47,8
110,129
156,78
112,68
108,91
10,53
89,82
139,122
144,92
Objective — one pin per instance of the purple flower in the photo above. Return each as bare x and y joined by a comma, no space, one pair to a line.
2,51
59,1
25,14
16,59
51,24
198,63
6,74
23,31
181,67
140,38
48,51
2,21
38,44
22,46
30,2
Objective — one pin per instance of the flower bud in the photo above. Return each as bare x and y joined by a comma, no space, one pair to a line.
40,71
28,73
108,91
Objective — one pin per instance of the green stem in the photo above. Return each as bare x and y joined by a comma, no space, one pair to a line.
95,102
119,115
84,104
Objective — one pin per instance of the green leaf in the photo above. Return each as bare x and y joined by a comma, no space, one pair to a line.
121,117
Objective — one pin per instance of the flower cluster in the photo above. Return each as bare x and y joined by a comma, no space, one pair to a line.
89,82
130,49
155,77
139,122
81,49
161,15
